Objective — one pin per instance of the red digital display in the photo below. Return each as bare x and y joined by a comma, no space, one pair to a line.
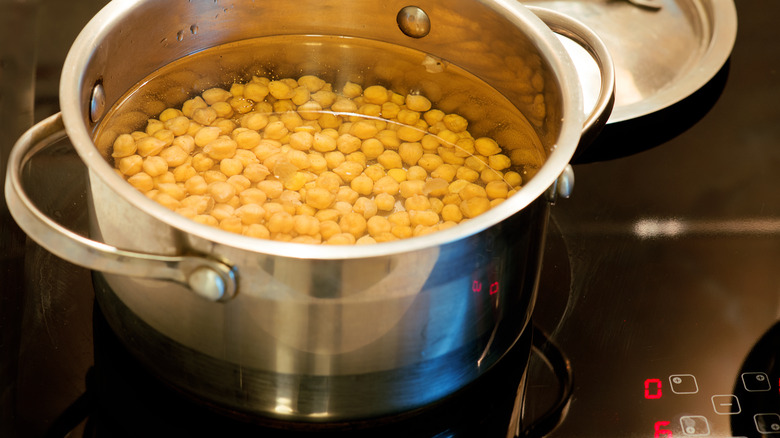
476,287
660,432
653,389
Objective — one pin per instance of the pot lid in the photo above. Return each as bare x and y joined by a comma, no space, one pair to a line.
663,50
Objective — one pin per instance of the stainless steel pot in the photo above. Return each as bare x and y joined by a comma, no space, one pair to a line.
303,332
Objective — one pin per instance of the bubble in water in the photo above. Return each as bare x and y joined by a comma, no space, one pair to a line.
194,29
180,35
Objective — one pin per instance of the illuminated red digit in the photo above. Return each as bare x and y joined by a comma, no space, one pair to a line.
662,433
493,288
652,389
476,286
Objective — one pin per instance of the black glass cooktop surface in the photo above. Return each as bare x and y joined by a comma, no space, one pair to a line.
661,281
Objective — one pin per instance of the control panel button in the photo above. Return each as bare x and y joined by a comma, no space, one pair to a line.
726,404
683,384
755,382
767,423
695,425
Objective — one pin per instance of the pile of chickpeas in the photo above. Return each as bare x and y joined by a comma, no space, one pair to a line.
294,160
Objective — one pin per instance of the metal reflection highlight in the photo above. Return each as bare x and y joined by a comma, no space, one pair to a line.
650,228
653,228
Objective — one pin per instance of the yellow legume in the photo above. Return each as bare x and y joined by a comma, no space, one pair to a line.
292,160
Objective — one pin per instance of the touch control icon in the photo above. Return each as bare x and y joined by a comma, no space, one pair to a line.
726,404
695,425
767,423
683,384
755,382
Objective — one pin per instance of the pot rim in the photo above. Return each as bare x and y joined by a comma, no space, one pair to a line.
75,110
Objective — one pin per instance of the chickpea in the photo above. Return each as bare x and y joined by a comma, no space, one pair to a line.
247,139
427,218
206,219
365,240
475,206
329,228
214,95
388,138
445,171
486,146
141,181
153,125
317,163
186,142
206,135
155,166
196,185
341,239
279,90
410,153
352,90
281,222
348,170
322,142
365,206
347,143
410,188
200,204
221,191
390,160
240,182
362,184
204,116
417,202
257,230
311,83
499,162
397,174
275,130
496,189
255,91
130,165
272,189
399,218
384,202
402,231
386,185
320,198
416,172
353,223
451,212
364,129
250,214
174,156
390,110
477,163
450,156
436,187
306,225
254,121
124,146
513,179
378,225
149,146
212,176
372,148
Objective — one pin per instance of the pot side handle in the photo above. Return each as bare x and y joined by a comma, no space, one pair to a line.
206,277
584,36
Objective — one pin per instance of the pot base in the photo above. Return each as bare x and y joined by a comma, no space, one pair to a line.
132,399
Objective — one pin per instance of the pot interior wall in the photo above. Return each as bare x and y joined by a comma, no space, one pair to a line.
479,38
